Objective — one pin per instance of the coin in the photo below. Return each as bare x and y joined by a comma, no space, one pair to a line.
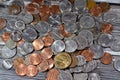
117,64
115,45
72,1
44,9
20,70
62,60
38,1
81,60
20,42
51,63
35,59
31,71
3,23
36,19
80,4
14,9
74,61
16,35
20,50
88,54
5,36
107,28
94,76
96,10
104,6
54,9
80,76
90,4
10,43
7,64
76,69
20,25
58,46
106,58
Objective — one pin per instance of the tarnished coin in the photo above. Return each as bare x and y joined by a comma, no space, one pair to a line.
104,6
5,36
96,10
29,34
80,4
70,45
76,69
81,60
3,23
16,35
80,76
54,9
58,46
10,43
94,76
20,25
117,64
7,64
74,61
62,60
115,45
107,28
87,21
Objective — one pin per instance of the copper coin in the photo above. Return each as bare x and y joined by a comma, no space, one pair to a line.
3,23
107,28
36,19
54,9
14,9
96,10
38,44
32,8
31,71
43,66
5,36
21,70
18,61
107,58
35,58
48,40
39,1
20,42
74,61
88,54
51,63
104,6
72,1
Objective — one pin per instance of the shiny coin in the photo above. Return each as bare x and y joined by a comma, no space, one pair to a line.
31,71
74,61
54,9
7,64
80,76
107,28
117,64
58,46
104,6
94,76
3,23
115,45
16,35
10,43
106,58
20,25
62,60
5,36
70,45
96,10
29,34
87,22
81,60
76,69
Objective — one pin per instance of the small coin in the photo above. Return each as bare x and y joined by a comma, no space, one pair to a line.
7,64
76,69
96,10
16,35
106,58
107,28
20,25
31,71
51,63
115,45
74,61
81,60
54,9
3,23
58,46
10,43
5,36
14,9
104,6
94,76
117,64
80,76
62,60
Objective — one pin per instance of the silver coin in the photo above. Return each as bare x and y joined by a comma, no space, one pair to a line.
16,35
80,76
20,25
90,66
58,46
72,36
115,45
10,43
97,50
27,60
29,34
117,64
105,40
69,17
87,22
81,60
11,23
7,53
70,45
7,64
88,35
78,4
65,5
94,76
76,69
56,35
20,50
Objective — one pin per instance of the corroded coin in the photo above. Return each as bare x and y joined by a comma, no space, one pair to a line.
96,10
3,23
104,6
14,9
94,76
7,64
62,60
107,28
80,76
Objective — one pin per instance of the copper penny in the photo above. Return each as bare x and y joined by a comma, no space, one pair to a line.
107,58
5,36
21,70
18,61
20,42
39,1
32,8
96,10
88,54
35,58
38,44
48,40
74,61
51,63
3,23
14,9
104,6
54,9
107,28
43,66
31,71
36,19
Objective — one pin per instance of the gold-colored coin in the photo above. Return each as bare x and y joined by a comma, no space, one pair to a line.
62,60
91,4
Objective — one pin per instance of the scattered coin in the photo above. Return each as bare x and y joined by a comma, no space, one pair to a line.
3,23
76,69
90,4
80,4
14,9
20,42
96,10
10,44
117,64
20,25
54,9
20,50
81,60
80,76
5,36
104,6
115,45
94,76
16,35
7,64
36,19
107,28
74,61
51,63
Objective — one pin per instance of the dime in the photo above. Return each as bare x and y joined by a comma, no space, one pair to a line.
16,35
94,76
107,28
80,76
115,45
3,23
7,64
20,70
96,10
54,9
11,23
14,9
62,60
117,64
104,6
76,69
10,43
20,25
5,36
81,60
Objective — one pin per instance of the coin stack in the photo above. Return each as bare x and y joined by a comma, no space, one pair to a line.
65,38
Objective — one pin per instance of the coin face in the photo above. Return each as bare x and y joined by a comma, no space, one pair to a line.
16,35
80,4
81,60
96,10
116,64
14,9
94,76
107,28
76,69
3,23
115,45
62,60
90,4
36,19
20,25
7,64
54,9
51,63
74,61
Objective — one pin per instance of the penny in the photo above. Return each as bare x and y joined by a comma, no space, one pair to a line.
58,46
117,64
107,28
90,4
7,64
94,76
62,60
36,19
88,54
51,63
31,71
74,61
80,76
10,43
54,9
14,9
39,1
46,53
104,6
48,40
106,58
96,10
20,70
81,60
3,23
20,25
115,45
16,35
76,69
5,36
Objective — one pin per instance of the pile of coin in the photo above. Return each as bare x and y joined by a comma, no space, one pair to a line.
65,38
